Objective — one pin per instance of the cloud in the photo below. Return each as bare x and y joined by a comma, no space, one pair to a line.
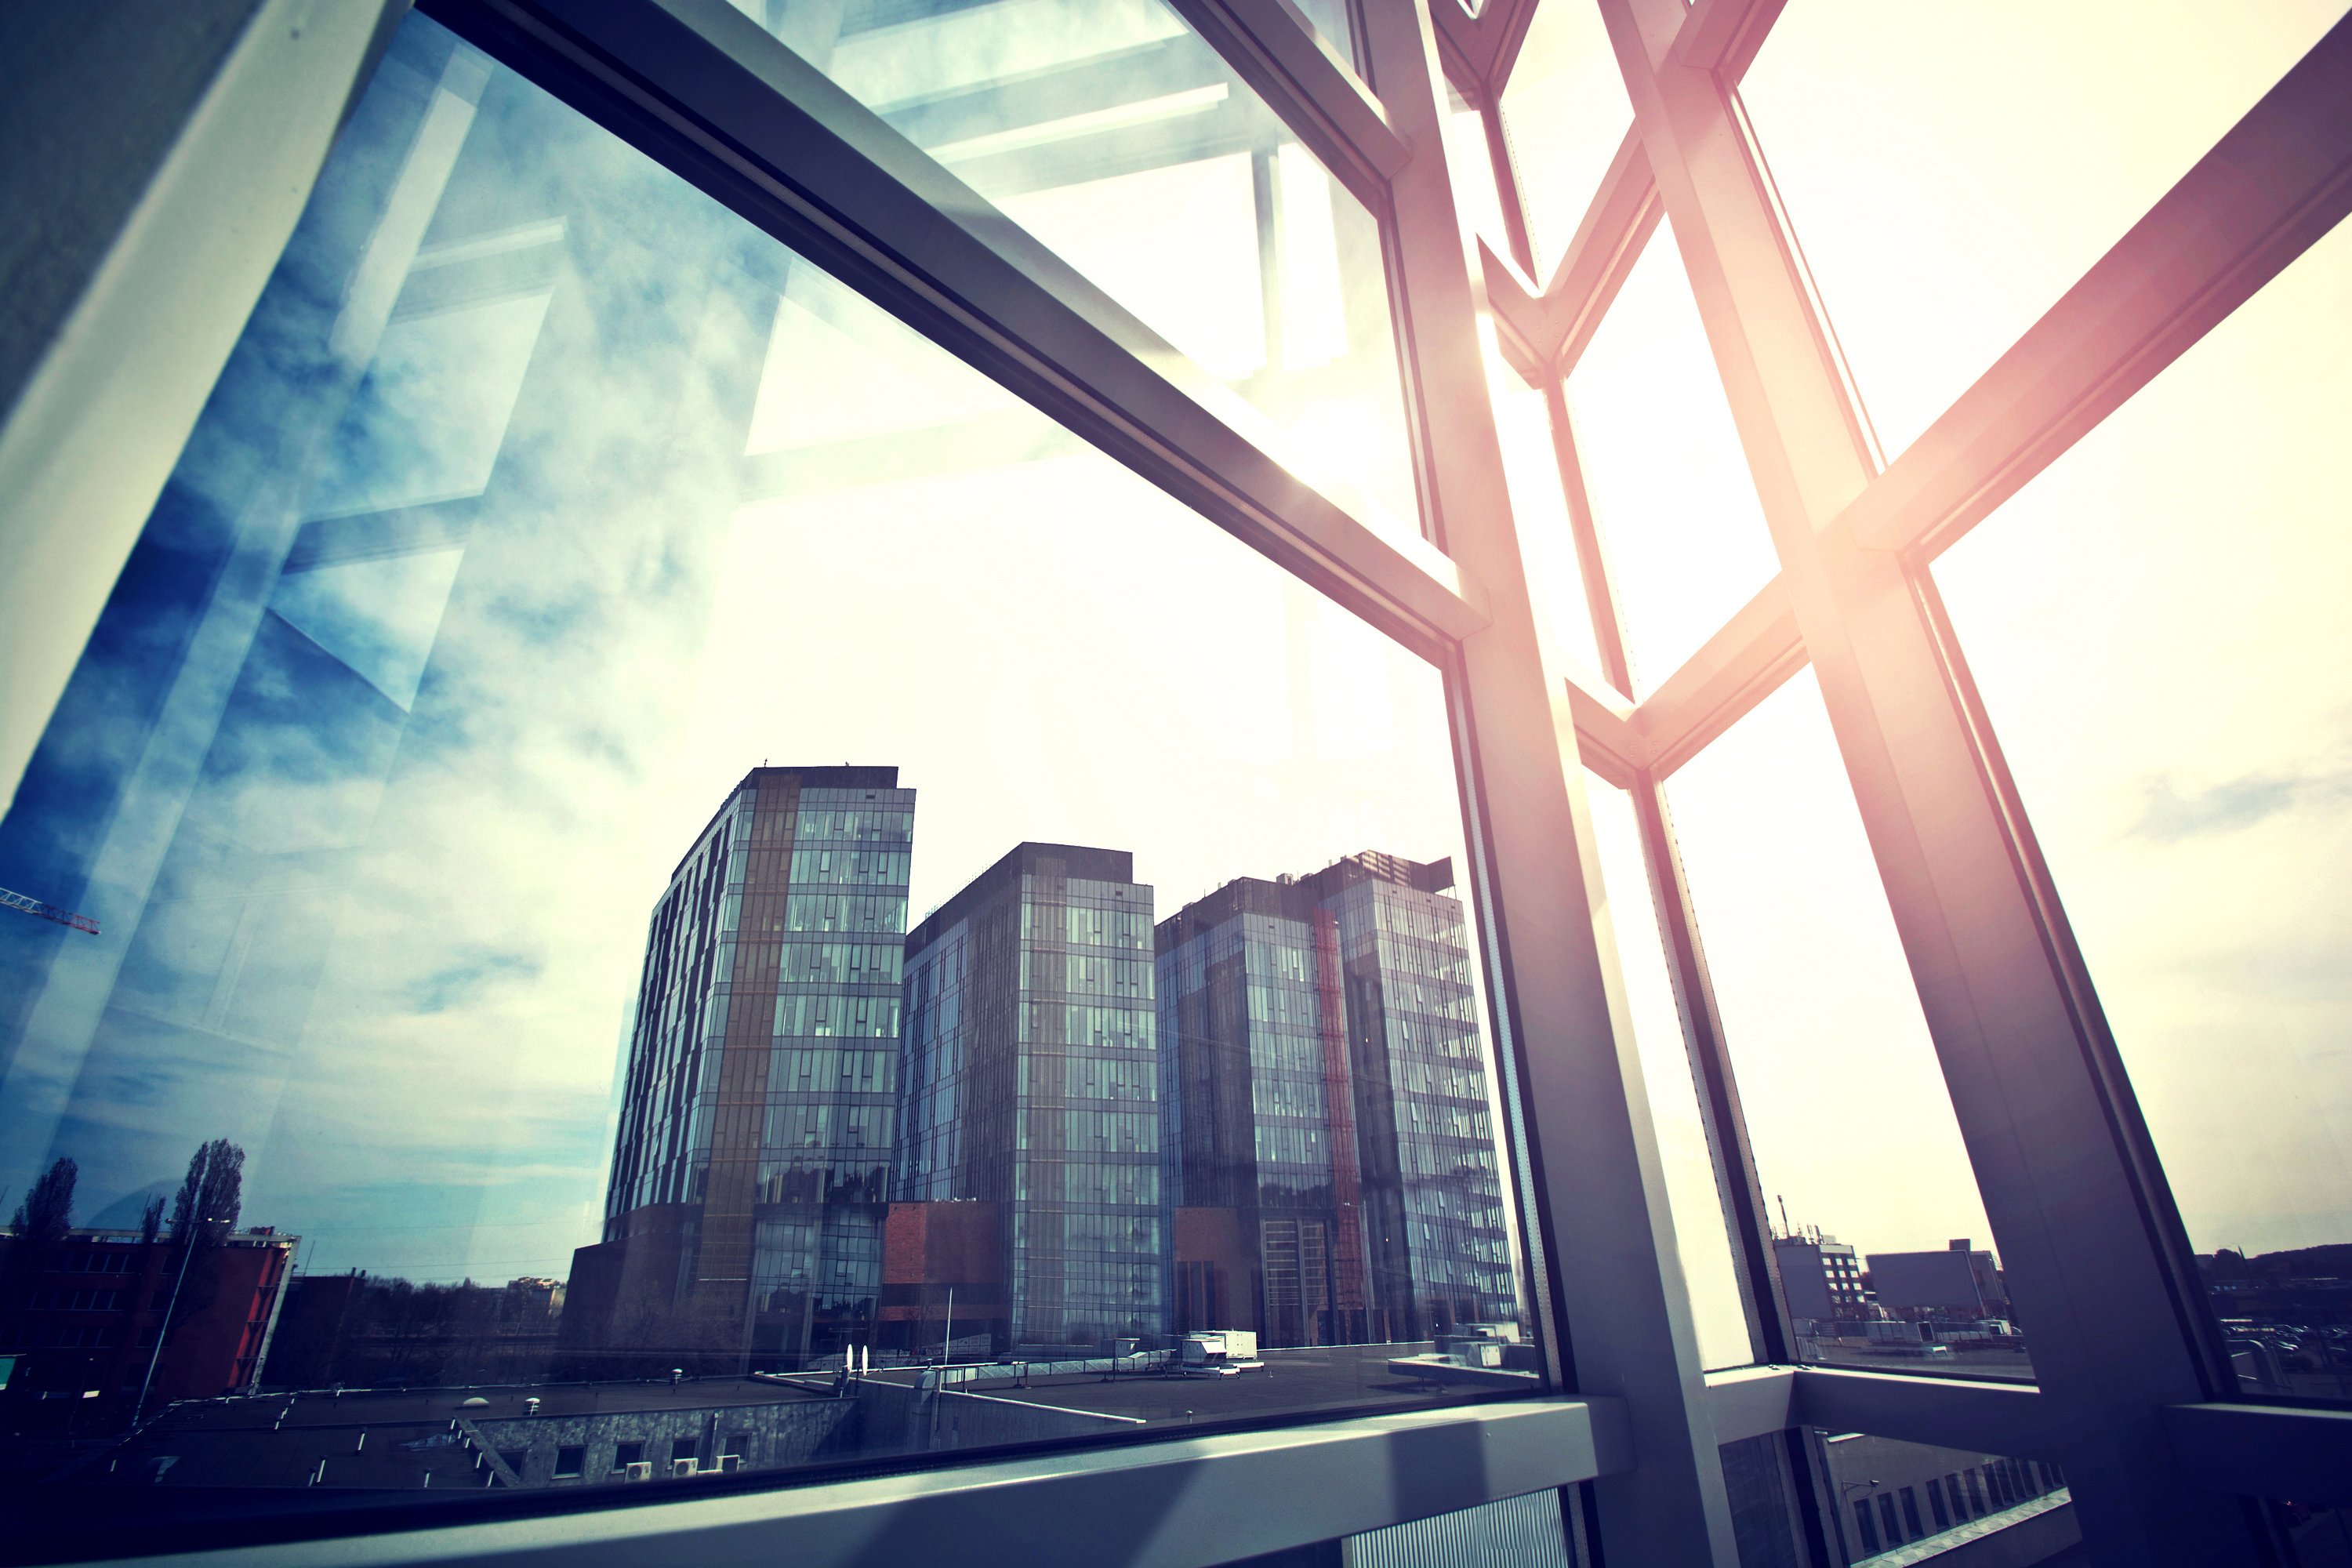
2170,813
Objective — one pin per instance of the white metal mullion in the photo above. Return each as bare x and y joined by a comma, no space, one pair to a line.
1613,1268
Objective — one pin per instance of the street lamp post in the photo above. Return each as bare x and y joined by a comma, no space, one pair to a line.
187,1250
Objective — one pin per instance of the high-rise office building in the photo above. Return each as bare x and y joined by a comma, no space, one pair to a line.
1031,1081
744,1213
1331,1146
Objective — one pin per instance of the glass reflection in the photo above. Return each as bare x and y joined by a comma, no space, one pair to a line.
1118,138
653,918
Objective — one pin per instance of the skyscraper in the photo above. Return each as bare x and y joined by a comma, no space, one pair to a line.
744,1213
1330,1142
1031,1081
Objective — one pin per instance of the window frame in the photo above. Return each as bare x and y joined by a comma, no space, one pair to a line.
2136,1401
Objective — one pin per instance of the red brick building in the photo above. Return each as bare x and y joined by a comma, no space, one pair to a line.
929,1249
80,1316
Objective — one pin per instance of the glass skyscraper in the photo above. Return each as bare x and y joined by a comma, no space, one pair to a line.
1031,1080
1330,1133
745,1208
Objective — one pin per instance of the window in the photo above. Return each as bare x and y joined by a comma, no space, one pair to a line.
897,735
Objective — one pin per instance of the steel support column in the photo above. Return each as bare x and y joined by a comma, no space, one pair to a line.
1613,1272
2097,1259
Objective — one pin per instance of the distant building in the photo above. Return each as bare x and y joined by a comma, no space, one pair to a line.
81,1316
1820,1278
1031,1082
1330,1144
743,1221
943,1281
1958,1282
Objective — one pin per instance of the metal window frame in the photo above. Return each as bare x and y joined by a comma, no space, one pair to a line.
2131,1392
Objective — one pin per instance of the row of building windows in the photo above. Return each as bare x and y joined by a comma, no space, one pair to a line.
1893,1519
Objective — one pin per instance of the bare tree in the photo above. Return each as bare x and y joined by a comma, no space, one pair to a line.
150,1219
46,1212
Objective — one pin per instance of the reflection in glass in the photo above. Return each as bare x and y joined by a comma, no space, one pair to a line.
1920,1500
655,918
1852,1129
1113,135
2157,627
1932,253
1672,497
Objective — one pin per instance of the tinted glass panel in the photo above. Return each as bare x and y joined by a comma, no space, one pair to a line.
652,918
1564,113
2156,628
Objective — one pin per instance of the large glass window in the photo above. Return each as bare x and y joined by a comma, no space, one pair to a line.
2156,627
1885,1256
654,919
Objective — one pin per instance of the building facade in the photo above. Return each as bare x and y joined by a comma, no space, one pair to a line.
1820,1277
80,1318
1327,1088
1031,1081
744,1213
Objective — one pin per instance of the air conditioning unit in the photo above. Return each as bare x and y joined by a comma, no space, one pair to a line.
731,1463
681,1467
643,1470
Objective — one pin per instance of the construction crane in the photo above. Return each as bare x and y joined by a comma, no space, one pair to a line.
32,906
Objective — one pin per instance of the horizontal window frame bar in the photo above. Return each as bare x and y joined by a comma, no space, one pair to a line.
702,90
1178,1503
2277,183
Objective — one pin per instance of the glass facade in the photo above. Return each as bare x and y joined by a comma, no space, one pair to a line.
1332,1154
1032,1086
1812,1037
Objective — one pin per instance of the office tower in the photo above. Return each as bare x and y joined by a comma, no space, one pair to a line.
1331,1145
744,1214
1031,1082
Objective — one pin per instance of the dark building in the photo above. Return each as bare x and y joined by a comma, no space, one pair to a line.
743,1222
80,1317
1820,1278
1031,1083
1327,1088
1960,1282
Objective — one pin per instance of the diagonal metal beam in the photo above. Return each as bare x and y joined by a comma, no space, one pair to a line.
1606,738
1724,35
1742,663
2278,181
1554,329
702,88
1275,49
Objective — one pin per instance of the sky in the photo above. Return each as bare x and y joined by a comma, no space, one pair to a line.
715,512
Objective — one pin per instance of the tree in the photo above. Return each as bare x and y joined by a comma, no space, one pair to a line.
46,1212
150,1219
213,1191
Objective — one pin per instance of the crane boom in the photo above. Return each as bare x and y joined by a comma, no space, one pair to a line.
32,906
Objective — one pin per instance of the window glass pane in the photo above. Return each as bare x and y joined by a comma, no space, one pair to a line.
1672,499
2157,628
1564,113
1913,1502
1885,1254
1539,511
1122,141
1692,1193
1952,169
693,942
1477,201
